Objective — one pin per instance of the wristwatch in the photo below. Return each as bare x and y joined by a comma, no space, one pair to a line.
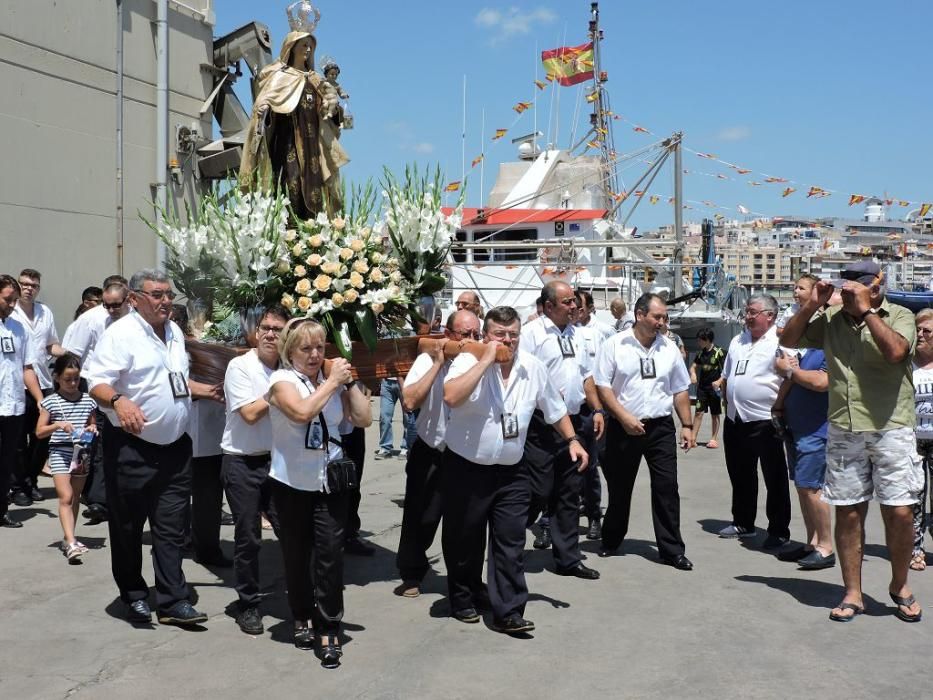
872,310
574,438
114,399
600,411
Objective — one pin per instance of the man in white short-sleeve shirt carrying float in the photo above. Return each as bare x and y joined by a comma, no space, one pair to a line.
423,391
485,478
138,372
642,380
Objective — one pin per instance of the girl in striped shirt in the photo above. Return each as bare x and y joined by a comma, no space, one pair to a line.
64,417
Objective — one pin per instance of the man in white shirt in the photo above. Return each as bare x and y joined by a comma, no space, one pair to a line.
586,316
247,444
38,321
423,391
751,387
486,481
83,333
556,482
619,311
138,372
115,305
641,380
17,358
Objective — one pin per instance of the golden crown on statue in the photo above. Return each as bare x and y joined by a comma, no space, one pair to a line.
303,16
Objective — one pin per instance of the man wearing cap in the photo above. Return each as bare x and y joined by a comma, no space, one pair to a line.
870,449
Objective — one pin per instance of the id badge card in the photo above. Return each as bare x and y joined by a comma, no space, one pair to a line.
509,426
314,437
179,385
741,367
648,370
6,345
566,346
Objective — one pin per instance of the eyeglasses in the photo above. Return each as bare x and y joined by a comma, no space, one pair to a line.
114,305
502,335
274,330
474,335
158,295
753,313
463,304
29,285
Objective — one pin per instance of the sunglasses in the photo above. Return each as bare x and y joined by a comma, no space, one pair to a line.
114,305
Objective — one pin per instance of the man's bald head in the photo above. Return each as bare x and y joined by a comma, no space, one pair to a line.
469,300
463,325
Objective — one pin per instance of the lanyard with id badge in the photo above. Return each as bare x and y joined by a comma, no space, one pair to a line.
177,381
6,345
340,474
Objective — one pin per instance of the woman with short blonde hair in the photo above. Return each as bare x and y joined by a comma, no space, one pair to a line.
308,401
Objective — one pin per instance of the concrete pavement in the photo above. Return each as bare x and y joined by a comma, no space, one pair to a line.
742,624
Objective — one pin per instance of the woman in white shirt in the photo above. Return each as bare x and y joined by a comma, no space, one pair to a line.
923,402
306,408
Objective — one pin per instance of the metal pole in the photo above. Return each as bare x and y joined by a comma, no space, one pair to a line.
119,139
678,217
161,167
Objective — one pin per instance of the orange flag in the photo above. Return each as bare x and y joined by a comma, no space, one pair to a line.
453,186
500,133
640,130
541,84
925,209
742,171
593,144
522,106
476,161
775,179
817,192
788,190
856,199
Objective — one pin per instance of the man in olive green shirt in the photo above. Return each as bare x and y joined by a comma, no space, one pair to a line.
870,450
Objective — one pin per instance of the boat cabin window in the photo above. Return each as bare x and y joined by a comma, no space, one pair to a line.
505,254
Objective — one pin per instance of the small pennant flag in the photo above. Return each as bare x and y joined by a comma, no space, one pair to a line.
856,199
550,77
788,190
888,202
593,144
640,130
453,186
742,171
619,196
719,217
653,199
601,131
592,96
721,176
754,184
742,209
775,179
500,133
638,193
541,84
522,106
903,203
708,203
476,161
817,192
925,209
709,156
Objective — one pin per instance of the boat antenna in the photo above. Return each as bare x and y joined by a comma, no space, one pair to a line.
599,118
463,136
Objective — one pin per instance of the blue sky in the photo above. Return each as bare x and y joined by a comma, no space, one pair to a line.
833,94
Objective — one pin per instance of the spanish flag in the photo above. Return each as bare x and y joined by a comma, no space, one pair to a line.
924,209
453,186
522,106
569,64
788,190
477,160
541,84
856,199
500,133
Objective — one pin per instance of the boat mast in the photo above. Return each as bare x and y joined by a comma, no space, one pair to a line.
599,118
678,216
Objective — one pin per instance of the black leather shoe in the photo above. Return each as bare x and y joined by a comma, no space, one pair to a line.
182,613
595,530
95,514
580,571
7,521
468,615
36,495
771,542
250,621
21,499
331,652
138,611
679,562
543,539
304,636
217,559
605,551
356,545
515,624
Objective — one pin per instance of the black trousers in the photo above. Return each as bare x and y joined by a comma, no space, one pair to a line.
623,457
423,509
95,488
354,447
311,527
249,492
745,445
207,495
477,495
592,488
32,451
11,431
148,481
555,488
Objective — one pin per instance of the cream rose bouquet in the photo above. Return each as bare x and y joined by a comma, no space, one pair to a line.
340,273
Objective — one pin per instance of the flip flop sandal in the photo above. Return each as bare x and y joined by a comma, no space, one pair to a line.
856,610
906,602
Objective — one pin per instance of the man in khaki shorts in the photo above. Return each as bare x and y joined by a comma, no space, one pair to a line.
870,450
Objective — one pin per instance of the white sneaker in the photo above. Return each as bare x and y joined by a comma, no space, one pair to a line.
733,531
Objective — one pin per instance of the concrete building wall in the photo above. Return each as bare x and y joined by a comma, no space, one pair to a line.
58,191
